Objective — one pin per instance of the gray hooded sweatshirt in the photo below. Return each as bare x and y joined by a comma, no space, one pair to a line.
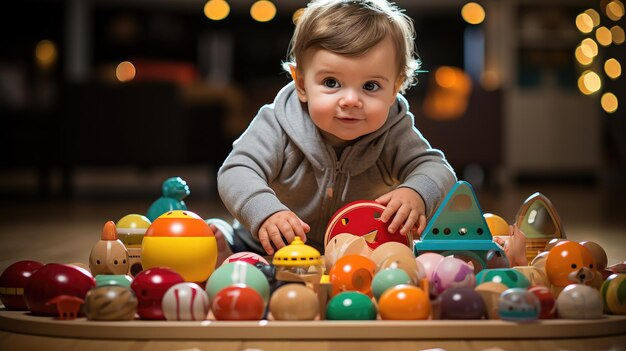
281,162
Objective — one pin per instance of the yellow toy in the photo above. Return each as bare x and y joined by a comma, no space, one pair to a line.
130,230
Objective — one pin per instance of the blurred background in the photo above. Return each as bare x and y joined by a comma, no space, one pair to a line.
102,100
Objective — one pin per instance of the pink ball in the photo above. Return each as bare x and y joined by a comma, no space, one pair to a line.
248,257
429,261
452,272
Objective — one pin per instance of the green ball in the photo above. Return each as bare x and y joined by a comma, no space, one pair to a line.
388,278
238,272
507,276
113,279
351,306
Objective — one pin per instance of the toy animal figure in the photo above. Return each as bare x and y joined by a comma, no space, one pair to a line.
68,306
109,255
514,245
174,190
569,263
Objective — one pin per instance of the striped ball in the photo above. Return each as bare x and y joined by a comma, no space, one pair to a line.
110,303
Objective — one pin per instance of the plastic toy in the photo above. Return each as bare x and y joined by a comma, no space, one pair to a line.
185,302
52,280
547,301
429,261
174,190
388,249
598,254
614,294
269,271
12,282
149,286
404,302
570,262
535,276
413,268
352,273
298,262
238,272
67,306
462,302
540,260
111,303
361,218
294,302
388,278
458,228
514,246
182,241
114,279
351,305
238,302
452,272
507,276
540,222
247,257
490,293
344,244
497,225
578,301
109,255
130,230
519,305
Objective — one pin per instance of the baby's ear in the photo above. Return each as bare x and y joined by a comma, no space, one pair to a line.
294,72
299,81
398,85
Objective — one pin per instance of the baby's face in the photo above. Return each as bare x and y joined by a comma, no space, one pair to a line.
349,97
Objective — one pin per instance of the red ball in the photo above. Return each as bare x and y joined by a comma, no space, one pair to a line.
149,287
52,280
238,303
12,283
546,301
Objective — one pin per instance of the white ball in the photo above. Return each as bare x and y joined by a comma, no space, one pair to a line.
185,302
578,301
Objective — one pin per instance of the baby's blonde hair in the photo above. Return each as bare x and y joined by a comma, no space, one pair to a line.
351,28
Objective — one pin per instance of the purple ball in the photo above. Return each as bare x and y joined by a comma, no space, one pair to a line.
462,302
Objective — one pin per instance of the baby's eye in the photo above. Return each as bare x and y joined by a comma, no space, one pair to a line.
371,86
331,83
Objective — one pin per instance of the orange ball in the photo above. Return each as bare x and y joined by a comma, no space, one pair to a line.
569,262
352,273
404,302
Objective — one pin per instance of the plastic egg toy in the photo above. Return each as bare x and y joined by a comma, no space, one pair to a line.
547,301
388,278
578,301
149,287
452,272
12,282
294,302
429,261
408,264
404,302
185,302
614,294
238,303
130,231
389,249
111,303
344,244
247,257
490,293
352,273
182,241
238,272
519,305
570,262
351,305
461,302
507,276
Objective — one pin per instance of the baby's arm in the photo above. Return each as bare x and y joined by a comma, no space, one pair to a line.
409,209
280,227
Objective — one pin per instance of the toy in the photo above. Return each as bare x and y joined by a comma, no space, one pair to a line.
534,275
404,302
458,228
514,246
298,262
294,302
388,278
547,302
269,271
540,260
185,302
540,222
507,276
388,249
598,253
109,255
352,273
614,294
130,230
461,302
413,268
497,225
52,280
361,218
247,257
452,272
182,241
351,305
238,302
429,261
174,190
490,293
344,244
113,279
149,286
67,306
578,301
519,305
238,272
111,303
570,262
12,282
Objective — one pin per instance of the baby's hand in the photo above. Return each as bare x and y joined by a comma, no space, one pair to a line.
409,209
283,224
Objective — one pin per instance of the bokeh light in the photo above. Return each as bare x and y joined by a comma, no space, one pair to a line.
615,10
594,15
216,10
296,15
46,53
125,71
584,23
589,82
603,36
581,57
617,33
263,11
473,13
612,68
589,48
446,76
609,102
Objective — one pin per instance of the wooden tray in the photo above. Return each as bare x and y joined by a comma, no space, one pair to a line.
26,323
